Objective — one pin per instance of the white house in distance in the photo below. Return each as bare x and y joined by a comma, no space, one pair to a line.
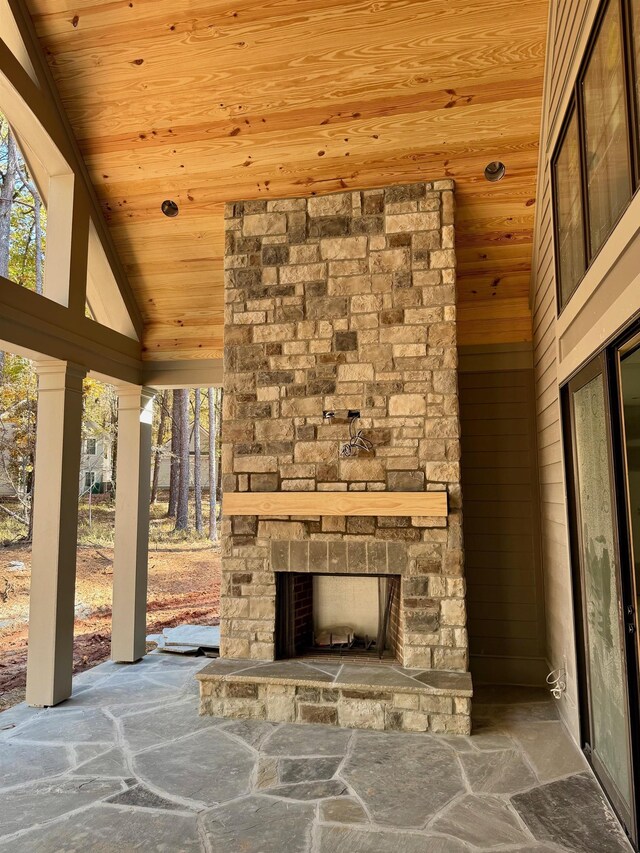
96,462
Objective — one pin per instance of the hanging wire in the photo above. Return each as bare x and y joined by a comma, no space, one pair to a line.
557,683
357,441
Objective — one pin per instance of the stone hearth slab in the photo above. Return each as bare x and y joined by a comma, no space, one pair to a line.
380,697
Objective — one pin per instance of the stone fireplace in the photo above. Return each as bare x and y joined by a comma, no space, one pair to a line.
342,540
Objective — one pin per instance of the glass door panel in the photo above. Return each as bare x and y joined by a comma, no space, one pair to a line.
630,394
602,608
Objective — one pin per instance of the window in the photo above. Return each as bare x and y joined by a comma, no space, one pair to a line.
608,163
569,215
594,167
89,479
90,447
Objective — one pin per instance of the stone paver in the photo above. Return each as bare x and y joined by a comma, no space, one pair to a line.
389,776
572,813
127,765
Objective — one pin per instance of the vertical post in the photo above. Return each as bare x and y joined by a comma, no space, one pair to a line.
55,531
133,488
65,265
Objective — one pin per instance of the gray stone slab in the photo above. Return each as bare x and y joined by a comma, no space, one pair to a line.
308,769
59,725
342,810
549,749
163,724
193,635
328,668
487,734
206,767
528,848
252,732
342,839
105,829
167,649
525,712
86,751
500,772
375,676
121,691
141,797
21,762
455,682
307,740
403,780
24,808
309,790
481,820
226,666
260,825
294,671
112,763
13,718
572,813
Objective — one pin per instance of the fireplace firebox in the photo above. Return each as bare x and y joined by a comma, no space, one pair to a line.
339,615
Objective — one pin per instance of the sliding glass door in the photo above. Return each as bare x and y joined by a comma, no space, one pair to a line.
605,619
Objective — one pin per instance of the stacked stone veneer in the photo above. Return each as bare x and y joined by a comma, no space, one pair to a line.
341,302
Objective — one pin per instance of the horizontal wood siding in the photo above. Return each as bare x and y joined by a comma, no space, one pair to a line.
501,529
568,22
564,35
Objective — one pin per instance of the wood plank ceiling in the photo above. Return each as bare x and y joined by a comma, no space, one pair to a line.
207,102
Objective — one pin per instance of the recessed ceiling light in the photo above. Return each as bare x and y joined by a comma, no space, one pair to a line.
494,171
169,208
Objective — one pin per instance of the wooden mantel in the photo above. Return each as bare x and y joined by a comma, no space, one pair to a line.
432,504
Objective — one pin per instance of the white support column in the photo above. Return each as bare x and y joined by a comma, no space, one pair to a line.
55,530
133,484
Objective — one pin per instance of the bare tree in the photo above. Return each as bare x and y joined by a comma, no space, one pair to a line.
182,511
174,468
7,192
213,467
197,461
157,456
37,214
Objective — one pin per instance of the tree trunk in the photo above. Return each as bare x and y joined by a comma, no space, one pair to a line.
174,470
7,191
164,402
219,407
182,512
213,468
37,208
197,461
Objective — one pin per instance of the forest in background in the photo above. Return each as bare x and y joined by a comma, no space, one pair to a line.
181,418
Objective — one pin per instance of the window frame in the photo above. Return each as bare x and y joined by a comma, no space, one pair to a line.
572,110
576,106
91,442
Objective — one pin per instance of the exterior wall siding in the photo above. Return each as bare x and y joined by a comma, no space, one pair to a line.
569,24
505,597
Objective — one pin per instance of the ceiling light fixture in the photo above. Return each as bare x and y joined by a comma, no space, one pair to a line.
169,208
494,171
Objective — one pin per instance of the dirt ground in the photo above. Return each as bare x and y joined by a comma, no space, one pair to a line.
184,586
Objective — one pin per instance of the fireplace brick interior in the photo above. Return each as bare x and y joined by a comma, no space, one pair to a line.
344,303
309,606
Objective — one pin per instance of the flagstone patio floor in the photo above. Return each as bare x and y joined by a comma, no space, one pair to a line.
127,764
